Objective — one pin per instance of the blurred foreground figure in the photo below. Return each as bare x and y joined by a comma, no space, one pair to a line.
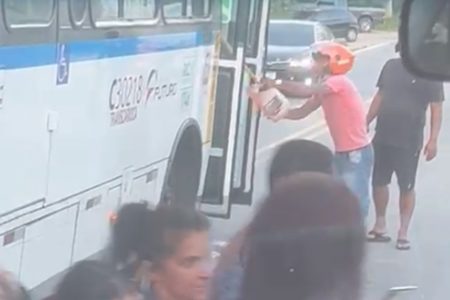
290,158
10,288
306,243
92,280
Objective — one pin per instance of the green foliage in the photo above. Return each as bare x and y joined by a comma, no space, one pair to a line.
390,24
367,3
279,9
283,8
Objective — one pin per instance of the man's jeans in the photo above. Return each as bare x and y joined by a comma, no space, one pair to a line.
355,168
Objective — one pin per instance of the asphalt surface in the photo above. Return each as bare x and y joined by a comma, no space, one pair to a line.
427,264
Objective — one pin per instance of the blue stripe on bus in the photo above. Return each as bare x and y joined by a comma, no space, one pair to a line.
16,57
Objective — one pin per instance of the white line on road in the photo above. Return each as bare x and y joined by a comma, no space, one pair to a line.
373,47
319,126
310,133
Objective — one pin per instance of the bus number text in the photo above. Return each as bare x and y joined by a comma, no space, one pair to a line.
129,93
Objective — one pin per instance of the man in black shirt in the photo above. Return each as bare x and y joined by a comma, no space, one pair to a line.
400,107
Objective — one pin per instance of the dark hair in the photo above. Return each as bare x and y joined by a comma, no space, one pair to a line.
92,280
300,156
306,242
142,234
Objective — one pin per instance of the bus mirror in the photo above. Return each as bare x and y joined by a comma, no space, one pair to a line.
424,38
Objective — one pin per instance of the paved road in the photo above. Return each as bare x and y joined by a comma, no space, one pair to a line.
427,265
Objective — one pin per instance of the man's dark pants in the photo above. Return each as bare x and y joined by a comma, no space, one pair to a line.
393,159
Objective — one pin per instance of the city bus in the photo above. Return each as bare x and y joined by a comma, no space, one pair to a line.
105,102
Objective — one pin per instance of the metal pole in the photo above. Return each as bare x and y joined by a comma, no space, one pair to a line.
341,3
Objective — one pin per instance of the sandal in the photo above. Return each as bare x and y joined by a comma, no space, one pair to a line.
378,237
403,245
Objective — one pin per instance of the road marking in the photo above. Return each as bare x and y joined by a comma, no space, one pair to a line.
310,133
376,46
311,129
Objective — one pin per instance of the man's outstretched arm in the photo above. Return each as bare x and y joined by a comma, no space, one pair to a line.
298,89
305,110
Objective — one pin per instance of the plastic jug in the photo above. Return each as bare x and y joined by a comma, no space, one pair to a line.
272,103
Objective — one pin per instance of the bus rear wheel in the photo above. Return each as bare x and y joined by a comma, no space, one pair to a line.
183,177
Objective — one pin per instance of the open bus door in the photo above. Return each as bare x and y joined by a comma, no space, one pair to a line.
230,167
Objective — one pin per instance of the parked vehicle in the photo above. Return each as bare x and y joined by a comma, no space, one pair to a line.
367,17
341,22
289,51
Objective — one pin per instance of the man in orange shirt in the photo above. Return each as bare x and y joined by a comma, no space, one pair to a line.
344,113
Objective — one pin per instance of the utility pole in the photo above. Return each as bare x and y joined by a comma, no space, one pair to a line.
389,8
341,3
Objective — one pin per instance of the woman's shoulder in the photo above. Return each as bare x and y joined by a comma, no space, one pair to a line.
229,272
226,283
232,251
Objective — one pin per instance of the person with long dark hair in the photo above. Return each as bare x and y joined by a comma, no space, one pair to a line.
93,280
291,157
305,243
165,251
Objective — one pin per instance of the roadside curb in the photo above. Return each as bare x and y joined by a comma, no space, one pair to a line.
370,39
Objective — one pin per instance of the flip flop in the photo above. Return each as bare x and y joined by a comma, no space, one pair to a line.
403,245
378,237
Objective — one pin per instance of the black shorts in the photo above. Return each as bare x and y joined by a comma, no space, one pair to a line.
401,161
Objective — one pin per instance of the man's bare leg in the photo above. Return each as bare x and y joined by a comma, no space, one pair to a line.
407,205
380,199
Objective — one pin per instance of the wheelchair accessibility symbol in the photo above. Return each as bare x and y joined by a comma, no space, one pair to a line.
63,63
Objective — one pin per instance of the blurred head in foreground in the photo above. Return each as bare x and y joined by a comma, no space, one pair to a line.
10,288
305,243
300,156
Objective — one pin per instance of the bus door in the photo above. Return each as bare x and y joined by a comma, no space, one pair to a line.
229,174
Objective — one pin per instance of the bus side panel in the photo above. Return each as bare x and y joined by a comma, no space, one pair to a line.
117,113
23,132
92,227
11,250
48,246
202,98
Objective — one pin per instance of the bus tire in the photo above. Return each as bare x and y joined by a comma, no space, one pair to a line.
184,167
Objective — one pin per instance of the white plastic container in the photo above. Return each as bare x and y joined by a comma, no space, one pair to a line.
272,103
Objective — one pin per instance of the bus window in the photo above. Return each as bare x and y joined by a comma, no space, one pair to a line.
228,29
175,9
201,8
191,9
105,10
28,11
139,9
77,9
116,10
253,28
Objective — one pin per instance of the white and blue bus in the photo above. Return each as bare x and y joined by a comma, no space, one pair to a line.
103,102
